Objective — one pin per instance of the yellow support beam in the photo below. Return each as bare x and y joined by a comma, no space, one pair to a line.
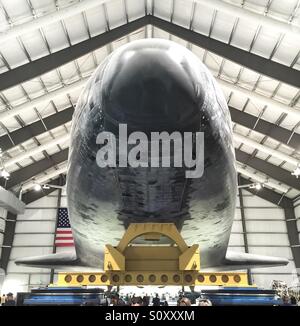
190,259
174,257
175,264
138,229
153,278
113,259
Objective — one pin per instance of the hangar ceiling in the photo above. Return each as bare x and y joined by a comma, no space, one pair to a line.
49,48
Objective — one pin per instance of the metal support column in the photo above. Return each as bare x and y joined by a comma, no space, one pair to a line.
244,226
8,239
54,247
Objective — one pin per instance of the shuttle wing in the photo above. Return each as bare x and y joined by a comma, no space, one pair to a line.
240,260
233,261
66,261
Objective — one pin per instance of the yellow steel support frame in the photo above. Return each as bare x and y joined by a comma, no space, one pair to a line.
176,264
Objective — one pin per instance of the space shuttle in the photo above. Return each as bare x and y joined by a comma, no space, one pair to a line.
151,85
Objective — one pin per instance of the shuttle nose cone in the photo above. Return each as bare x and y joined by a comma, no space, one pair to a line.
152,86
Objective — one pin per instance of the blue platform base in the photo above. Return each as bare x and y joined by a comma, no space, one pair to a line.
77,296
239,296
61,296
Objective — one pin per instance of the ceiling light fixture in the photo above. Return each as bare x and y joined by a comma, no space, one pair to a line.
37,187
5,174
258,186
296,172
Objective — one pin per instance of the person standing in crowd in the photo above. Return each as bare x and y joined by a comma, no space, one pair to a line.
132,298
117,301
205,303
286,300
146,300
136,301
293,300
156,300
10,300
184,301
179,299
3,299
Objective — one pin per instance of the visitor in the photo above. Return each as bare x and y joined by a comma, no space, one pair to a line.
156,300
204,303
116,300
10,300
3,299
146,300
136,302
286,300
293,300
184,302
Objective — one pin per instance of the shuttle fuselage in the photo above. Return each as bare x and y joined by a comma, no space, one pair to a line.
151,86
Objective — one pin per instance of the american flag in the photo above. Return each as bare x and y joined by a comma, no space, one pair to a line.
63,236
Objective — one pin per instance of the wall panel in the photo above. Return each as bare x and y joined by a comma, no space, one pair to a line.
265,213
35,227
34,236
237,227
236,240
35,251
265,226
297,214
32,214
267,235
30,240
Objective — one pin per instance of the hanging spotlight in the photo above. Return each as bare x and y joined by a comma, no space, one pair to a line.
5,174
48,186
258,186
37,187
296,172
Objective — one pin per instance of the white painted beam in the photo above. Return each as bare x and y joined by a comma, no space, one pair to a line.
4,116
260,99
233,10
266,149
273,24
36,150
48,19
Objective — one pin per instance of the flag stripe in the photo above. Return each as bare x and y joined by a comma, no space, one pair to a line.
65,241
63,236
69,244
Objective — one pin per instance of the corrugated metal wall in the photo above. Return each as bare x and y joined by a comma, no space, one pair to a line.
34,235
297,214
3,214
266,235
265,224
